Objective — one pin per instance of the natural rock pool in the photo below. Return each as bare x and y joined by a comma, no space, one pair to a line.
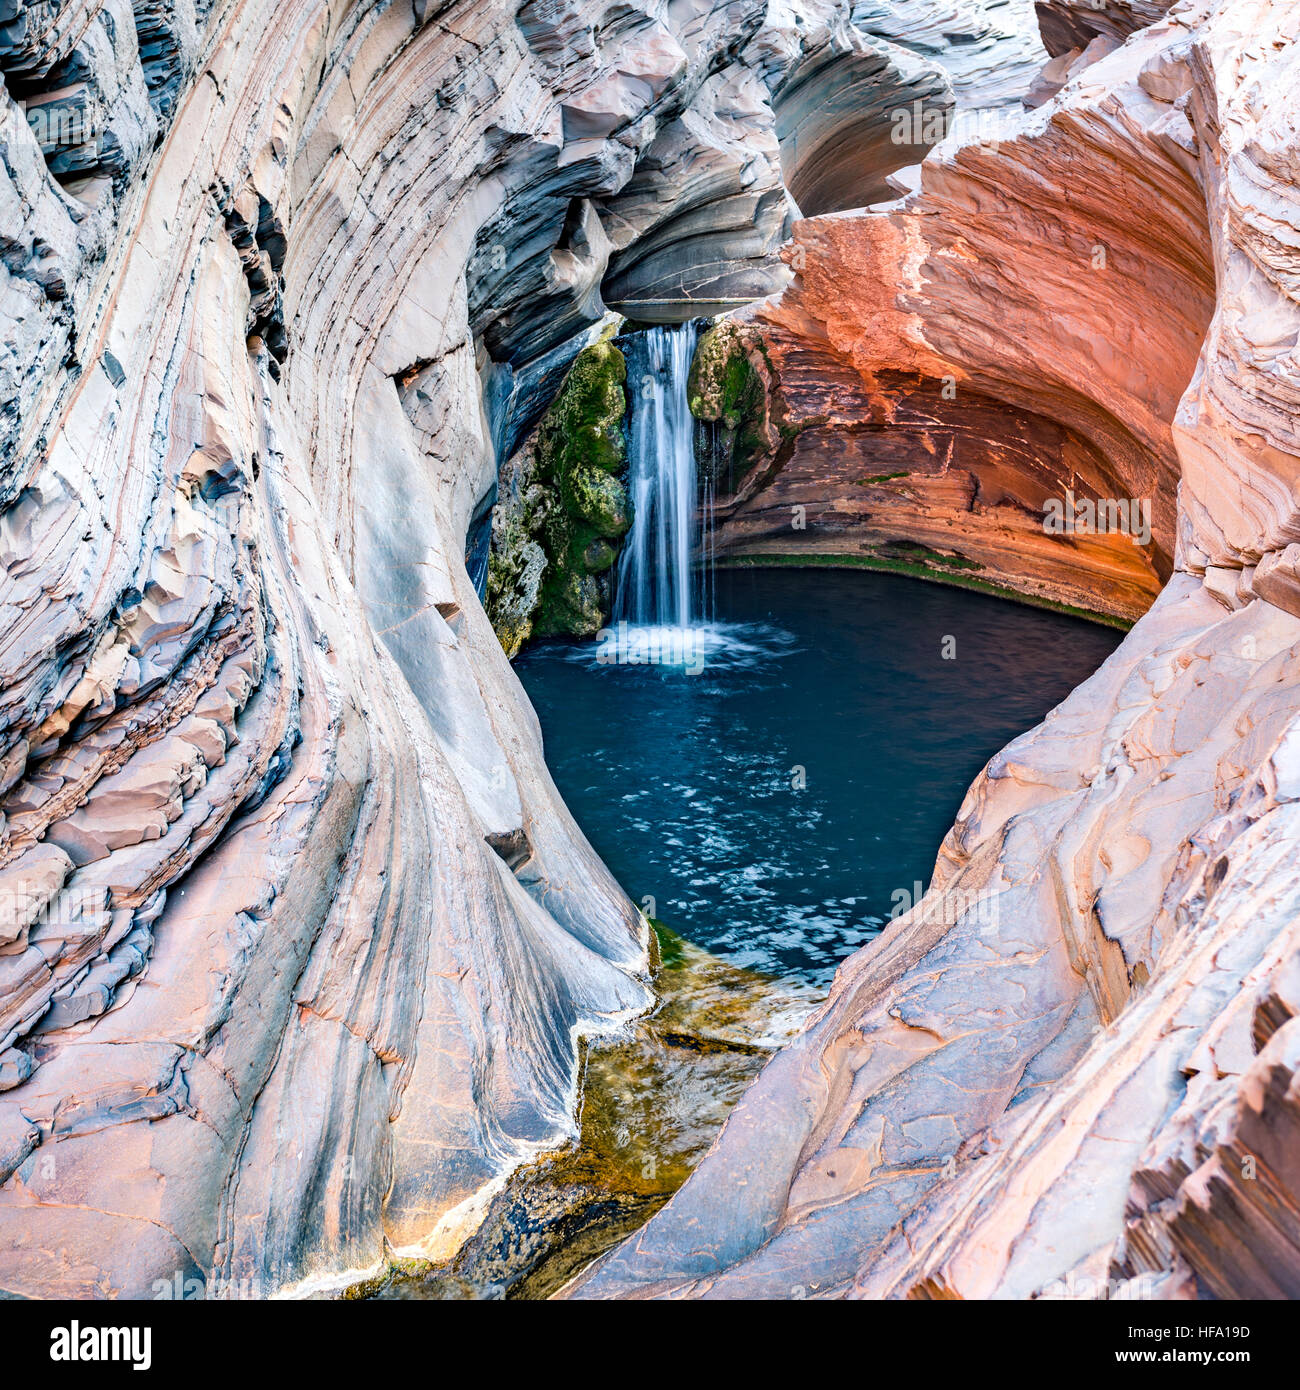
780,803
768,809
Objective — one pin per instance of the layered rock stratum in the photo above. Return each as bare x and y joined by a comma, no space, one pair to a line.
297,941
1071,1070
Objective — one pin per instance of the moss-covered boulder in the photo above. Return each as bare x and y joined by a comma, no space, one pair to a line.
580,456
729,390
563,502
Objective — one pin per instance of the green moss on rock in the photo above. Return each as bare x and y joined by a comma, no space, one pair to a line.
580,454
516,560
599,556
726,389
584,426
572,510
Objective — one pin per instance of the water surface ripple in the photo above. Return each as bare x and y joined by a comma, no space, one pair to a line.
776,803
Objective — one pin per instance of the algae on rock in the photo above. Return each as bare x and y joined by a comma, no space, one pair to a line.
562,509
729,388
516,560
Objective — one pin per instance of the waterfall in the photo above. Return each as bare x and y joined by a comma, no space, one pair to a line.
657,584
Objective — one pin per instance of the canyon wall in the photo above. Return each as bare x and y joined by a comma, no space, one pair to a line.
818,87
1044,335
1074,24
1071,1070
297,940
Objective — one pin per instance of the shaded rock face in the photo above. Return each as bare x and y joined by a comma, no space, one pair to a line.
1073,24
1070,1071
79,120
865,99
668,187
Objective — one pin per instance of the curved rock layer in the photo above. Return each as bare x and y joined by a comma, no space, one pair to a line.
298,936
296,939
1074,24
867,98
1058,284
1071,1070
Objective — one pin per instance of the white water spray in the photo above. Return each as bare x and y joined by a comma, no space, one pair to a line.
657,583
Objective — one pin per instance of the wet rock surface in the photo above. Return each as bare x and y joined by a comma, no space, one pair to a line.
652,1103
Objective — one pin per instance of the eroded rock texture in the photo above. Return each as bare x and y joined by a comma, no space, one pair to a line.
1071,1070
1074,24
1059,281
297,936
297,939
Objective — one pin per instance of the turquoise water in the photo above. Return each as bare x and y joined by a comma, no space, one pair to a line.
778,788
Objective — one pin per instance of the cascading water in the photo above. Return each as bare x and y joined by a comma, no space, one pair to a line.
658,584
